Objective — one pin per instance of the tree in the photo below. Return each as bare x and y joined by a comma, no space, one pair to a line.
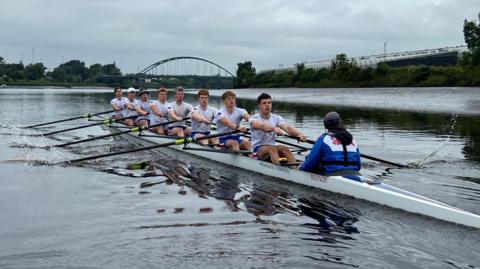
471,33
95,70
34,71
245,75
111,70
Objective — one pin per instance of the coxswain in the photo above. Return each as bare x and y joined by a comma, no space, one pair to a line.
335,152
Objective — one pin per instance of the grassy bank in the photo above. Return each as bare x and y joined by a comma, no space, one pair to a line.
350,75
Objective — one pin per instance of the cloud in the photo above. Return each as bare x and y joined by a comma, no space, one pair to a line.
270,32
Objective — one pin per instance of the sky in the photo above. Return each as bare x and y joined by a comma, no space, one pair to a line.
135,34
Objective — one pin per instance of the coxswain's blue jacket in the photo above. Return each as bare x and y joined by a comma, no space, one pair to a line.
329,155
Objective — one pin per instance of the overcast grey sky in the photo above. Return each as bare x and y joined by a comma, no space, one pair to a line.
268,32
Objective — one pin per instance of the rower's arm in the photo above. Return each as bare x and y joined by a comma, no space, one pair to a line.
314,157
293,131
227,123
114,106
172,115
259,125
140,111
129,106
246,116
197,117
155,110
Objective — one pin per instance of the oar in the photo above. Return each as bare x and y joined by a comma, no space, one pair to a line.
131,130
309,141
107,121
175,142
88,116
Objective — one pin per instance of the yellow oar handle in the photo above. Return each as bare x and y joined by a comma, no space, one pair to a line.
183,141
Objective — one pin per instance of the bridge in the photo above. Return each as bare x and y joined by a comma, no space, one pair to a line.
188,71
439,56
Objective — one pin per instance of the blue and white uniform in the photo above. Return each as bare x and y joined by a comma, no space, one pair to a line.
182,110
119,103
163,108
145,106
130,112
209,113
329,155
259,137
236,117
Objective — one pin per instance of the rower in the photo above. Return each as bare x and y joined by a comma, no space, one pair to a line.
159,111
129,107
265,128
143,109
335,152
228,119
117,103
178,110
202,115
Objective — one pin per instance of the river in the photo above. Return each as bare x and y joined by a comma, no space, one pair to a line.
103,214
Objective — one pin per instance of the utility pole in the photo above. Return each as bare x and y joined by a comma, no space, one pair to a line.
33,55
21,56
385,49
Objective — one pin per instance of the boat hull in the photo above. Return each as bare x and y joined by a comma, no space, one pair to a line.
379,193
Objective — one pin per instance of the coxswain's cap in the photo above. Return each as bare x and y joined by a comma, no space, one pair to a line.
332,119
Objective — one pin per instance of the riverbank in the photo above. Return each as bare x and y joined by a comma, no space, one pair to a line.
351,76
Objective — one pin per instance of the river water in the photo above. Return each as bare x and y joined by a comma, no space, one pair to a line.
184,212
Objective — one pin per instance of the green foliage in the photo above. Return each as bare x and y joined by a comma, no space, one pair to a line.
245,74
34,71
471,32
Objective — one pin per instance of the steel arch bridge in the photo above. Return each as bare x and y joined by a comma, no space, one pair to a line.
156,65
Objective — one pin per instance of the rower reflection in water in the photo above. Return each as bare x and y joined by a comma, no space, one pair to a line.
202,115
229,119
335,151
265,128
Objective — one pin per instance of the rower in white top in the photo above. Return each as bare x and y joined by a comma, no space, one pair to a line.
117,103
129,107
202,116
143,109
159,112
178,110
229,119
265,128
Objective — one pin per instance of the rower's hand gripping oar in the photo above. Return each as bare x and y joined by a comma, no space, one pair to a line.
309,141
175,142
131,130
106,121
86,116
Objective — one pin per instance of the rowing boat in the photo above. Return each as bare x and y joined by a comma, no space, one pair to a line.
366,189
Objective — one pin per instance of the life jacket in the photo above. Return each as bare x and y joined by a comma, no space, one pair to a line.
339,152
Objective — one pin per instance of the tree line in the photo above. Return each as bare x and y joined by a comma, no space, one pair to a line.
345,72
73,71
